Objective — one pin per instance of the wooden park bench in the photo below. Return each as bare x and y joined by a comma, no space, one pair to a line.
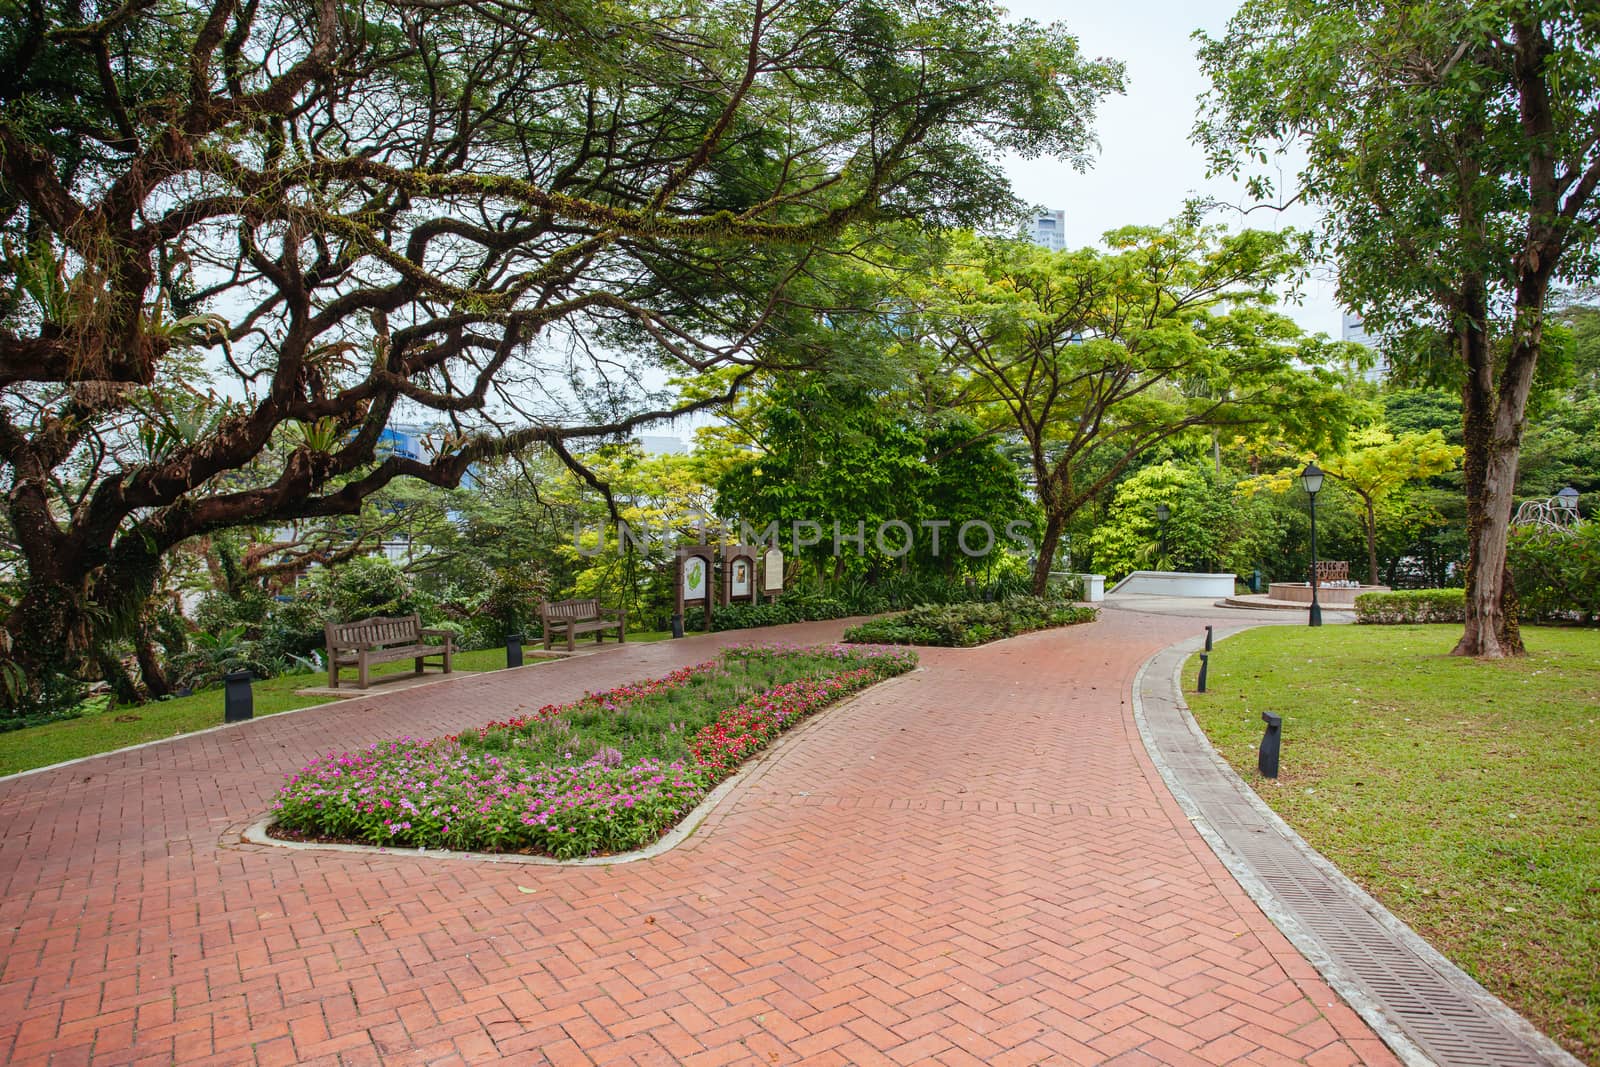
574,617
362,644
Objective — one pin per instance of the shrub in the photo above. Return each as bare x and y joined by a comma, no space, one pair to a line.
1412,605
369,586
513,600
1557,571
802,607
745,616
965,625
1065,587
295,628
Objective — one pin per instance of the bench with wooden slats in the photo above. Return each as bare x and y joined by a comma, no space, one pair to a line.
570,618
371,641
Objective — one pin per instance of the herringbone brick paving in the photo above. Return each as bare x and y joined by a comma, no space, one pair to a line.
971,864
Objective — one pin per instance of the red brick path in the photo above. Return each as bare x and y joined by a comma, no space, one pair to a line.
973,864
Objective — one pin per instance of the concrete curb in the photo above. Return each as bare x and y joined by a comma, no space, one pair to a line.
1167,683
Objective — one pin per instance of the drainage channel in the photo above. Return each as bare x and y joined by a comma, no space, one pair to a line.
1423,1006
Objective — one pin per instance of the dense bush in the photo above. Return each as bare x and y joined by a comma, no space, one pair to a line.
294,628
965,625
1557,571
210,656
1412,605
791,608
512,602
843,600
368,586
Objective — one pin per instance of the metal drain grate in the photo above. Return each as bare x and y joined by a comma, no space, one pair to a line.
1446,1022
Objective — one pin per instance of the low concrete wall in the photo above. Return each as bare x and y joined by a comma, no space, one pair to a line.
1329,596
1175,583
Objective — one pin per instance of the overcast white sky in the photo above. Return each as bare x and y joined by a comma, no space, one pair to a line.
1147,168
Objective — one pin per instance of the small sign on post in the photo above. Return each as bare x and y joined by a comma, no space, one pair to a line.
693,584
739,574
772,572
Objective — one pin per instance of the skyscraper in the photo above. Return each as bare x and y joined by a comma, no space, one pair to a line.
1049,230
1353,329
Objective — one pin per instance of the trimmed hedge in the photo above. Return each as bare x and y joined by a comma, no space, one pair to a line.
793,608
1412,605
966,625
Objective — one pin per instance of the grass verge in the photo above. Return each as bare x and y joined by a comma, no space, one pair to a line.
1461,794
96,731
101,731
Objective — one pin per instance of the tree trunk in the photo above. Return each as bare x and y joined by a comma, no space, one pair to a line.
1495,434
49,633
1491,630
1486,632
1372,542
150,670
1047,554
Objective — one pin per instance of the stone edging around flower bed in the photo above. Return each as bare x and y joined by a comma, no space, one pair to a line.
256,832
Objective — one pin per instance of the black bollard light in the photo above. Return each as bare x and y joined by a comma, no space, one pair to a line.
238,701
1205,661
513,650
677,624
1208,639
1271,742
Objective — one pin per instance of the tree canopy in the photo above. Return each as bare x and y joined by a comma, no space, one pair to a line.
1456,150
1092,358
240,238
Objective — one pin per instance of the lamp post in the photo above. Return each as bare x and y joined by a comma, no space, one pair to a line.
1568,500
1311,478
1163,513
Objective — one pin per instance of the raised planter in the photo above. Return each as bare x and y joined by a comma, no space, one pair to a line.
1329,596
1176,583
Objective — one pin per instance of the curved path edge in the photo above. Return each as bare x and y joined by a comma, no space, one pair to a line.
1377,969
257,831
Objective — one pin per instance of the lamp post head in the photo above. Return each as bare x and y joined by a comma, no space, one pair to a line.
1163,513
1568,498
1311,478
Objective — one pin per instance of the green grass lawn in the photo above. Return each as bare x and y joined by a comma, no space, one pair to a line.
100,731
1463,795
97,731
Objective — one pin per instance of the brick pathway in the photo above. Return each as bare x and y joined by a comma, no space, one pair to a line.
972,864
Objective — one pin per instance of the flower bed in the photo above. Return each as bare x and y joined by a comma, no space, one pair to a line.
965,625
609,772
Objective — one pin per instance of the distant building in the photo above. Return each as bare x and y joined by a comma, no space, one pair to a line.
1049,230
1354,330
407,442
660,444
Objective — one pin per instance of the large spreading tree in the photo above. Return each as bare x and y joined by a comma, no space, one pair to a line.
1455,148
1092,359
240,236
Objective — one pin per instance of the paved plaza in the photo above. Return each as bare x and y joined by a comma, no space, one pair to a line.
971,864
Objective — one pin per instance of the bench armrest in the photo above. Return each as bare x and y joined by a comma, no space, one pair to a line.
448,635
